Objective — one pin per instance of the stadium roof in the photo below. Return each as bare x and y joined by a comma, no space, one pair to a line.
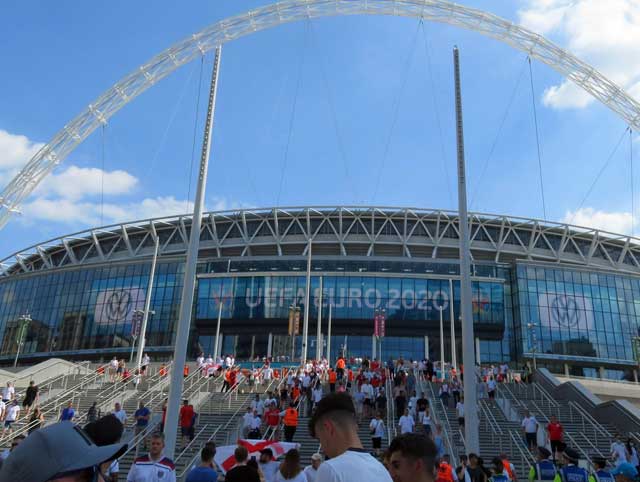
409,233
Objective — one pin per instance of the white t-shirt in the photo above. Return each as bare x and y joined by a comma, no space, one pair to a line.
491,385
121,415
367,390
311,473
317,395
378,425
113,364
267,373
619,449
343,467
406,424
298,478
530,424
269,470
145,360
8,392
258,406
200,361
460,409
12,413
426,419
247,418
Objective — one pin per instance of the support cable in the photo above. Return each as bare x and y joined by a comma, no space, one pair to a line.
602,169
436,110
340,140
102,178
195,134
170,122
535,121
303,51
495,140
396,108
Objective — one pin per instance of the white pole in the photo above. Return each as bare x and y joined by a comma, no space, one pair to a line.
319,331
215,349
426,347
186,302
472,436
441,343
454,360
329,337
305,325
147,305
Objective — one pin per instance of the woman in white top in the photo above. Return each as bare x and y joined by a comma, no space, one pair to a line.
427,423
377,432
290,469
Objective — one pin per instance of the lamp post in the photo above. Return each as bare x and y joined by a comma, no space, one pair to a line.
23,324
534,342
441,309
294,327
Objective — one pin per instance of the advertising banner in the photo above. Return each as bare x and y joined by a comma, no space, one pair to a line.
117,305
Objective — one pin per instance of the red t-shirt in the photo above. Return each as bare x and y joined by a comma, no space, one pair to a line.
555,431
186,415
273,418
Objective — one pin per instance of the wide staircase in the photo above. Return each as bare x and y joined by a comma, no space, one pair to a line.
498,434
581,431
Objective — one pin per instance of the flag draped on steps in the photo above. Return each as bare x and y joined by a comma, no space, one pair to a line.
224,455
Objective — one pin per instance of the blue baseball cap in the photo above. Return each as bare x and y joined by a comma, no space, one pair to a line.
625,469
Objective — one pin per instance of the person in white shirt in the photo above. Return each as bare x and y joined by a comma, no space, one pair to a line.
254,426
247,418
460,413
427,423
200,360
113,369
267,465
406,422
13,412
267,374
530,428
120,413
154,466
311,471
412,404
317,393
257,405
227,362
334,424
8,392
377,433
367,390
618,451
491,388
209,360
144,364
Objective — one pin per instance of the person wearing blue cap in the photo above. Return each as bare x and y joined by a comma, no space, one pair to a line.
600,474
544,469
625,472
570,472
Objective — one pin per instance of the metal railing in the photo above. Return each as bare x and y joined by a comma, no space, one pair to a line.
219,429
391,417
444,421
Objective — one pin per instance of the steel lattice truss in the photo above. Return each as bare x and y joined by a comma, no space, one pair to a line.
399,233
101,110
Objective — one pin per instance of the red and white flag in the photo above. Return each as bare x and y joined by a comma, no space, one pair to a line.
226,461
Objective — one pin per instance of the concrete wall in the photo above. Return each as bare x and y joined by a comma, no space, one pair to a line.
41,372
621,413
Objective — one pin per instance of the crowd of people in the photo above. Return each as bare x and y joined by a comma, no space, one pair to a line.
336,399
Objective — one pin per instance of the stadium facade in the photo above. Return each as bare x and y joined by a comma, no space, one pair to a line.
568,295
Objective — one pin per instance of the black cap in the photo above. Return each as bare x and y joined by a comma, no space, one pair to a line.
571,454
544,452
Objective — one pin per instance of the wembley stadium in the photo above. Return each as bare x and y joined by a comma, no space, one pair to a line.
561,294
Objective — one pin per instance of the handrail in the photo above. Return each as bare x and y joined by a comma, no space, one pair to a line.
525,456
546,395
212,436
592,421
391,421
444,422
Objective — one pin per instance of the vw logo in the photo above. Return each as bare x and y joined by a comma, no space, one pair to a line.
564,311
118,306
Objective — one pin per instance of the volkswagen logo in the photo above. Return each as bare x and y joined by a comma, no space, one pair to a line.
118,306
564,311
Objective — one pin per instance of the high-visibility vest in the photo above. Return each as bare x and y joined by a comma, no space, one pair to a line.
445,473
295,393
340,363
185,372
291,417
332,376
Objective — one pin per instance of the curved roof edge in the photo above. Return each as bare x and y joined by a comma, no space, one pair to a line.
335,230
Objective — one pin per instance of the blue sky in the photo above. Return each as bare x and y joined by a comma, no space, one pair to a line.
372,108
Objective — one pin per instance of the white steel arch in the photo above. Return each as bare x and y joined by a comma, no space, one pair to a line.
123,92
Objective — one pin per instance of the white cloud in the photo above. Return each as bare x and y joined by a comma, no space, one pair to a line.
78,182
74,213
604,33
16,150
614,222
